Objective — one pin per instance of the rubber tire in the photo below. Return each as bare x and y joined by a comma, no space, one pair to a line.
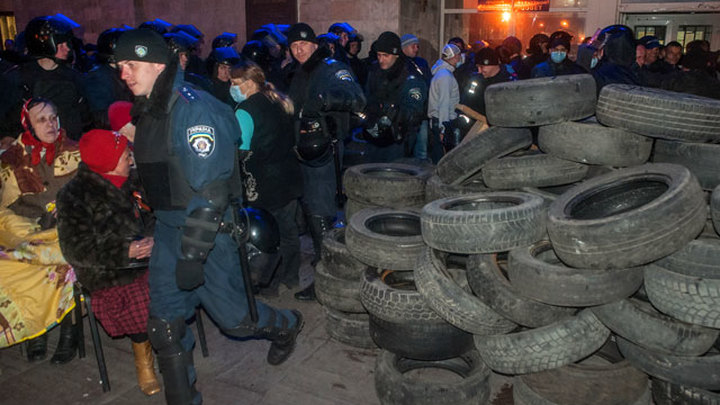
483,222
488,282
392,185
699,372
420,339
699,258
642,222
466,159
545,348
659,113
594,381
531,170
391,295
452,302
350,329
686,297
394,387
541,101
436,189
594,144
352,207
715,209
700,158
667,393
535,272
638,322
385,238
337,293
337,259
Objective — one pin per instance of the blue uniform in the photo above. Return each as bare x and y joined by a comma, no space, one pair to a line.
181,158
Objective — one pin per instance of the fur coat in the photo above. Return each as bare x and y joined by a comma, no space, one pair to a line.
96,224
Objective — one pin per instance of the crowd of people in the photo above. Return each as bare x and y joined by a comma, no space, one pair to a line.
127,160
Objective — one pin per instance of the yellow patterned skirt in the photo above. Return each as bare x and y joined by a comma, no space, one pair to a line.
36,284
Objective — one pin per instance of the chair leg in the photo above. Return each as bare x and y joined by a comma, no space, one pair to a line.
201,332
80,326
99,355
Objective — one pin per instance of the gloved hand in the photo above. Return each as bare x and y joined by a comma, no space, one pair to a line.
189,274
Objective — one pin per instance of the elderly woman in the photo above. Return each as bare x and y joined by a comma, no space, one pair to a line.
36,280
271,171
103,234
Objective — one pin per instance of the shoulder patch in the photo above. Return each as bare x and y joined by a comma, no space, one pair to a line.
188,93
344,74
330,61
201,139
415,93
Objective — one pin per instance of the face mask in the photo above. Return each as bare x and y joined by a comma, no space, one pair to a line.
462,60
593,63
236,94
558,57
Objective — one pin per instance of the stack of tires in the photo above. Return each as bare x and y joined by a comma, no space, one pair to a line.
560,242
338,279
391,185
411,335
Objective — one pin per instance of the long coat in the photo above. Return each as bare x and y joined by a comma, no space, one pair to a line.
96,224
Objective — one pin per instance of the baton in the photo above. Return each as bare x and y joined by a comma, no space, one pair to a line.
240,236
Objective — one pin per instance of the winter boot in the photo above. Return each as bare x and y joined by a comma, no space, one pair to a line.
145,367
68,343
283,340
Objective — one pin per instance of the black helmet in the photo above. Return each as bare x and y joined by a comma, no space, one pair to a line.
44,34
106,43
257,52
263,230
618,44
180,41
157,25
188,29
314,146
225,56
223,40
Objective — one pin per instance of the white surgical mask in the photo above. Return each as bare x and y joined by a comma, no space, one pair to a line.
237,94
558,56
593,62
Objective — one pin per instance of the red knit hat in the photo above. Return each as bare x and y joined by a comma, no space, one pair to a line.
119,114
101,149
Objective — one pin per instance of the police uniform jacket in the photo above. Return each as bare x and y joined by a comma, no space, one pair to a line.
186,143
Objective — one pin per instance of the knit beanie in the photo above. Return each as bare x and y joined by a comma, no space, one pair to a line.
142,45
388,42
409,39
301,32
119,114
101,149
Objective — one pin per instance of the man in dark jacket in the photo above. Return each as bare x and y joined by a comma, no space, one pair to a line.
186,157
558,64
695,78
322,89
617,47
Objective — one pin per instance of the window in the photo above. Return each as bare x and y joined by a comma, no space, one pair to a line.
689,33
7,27
654,30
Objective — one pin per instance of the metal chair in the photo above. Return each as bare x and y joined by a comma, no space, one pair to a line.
82,296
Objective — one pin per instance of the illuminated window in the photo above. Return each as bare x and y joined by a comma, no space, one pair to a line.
7,27
689,33
654,30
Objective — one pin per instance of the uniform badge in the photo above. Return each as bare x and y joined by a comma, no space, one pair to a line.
201,139
343,74
141,50
415,93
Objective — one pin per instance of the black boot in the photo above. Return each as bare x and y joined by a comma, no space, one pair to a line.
307,294
37,348
68,343
283,341
319,227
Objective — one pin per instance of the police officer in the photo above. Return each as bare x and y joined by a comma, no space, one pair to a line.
219,63
102,83
48,75
396,103
322,90
186,154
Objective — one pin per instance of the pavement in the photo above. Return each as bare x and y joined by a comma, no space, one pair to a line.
320,371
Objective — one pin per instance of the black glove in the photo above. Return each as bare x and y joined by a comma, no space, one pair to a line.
47,221
189,274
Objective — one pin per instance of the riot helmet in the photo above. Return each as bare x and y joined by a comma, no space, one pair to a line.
106,43
44,34
618,44
257,52
314,145
223,41
157,25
